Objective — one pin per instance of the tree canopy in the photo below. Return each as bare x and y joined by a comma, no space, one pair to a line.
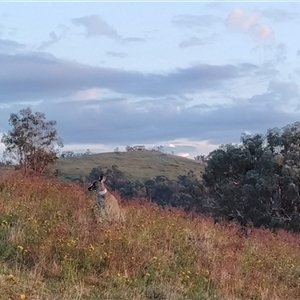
258,180
33,142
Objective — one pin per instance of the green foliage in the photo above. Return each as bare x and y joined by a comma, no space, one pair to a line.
33,141
258,181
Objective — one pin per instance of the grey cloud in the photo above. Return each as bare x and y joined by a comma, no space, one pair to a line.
284,91
228,122
165,118
190,21
263,100
195,41
125,123
95,25
268,69
8,46
165,105
39,77
54,38
278,93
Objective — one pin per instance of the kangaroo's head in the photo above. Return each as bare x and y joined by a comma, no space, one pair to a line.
98,184
93,186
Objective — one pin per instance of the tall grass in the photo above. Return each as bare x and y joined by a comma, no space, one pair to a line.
52,248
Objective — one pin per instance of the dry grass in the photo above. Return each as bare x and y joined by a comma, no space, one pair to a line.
51,248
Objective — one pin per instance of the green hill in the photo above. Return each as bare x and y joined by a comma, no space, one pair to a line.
141,165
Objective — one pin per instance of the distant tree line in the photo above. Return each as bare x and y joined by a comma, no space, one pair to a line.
186,191
256,181
66,154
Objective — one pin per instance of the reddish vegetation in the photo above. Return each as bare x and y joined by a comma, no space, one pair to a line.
52,248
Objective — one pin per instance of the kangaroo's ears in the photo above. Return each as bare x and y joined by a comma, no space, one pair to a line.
102,178
93,186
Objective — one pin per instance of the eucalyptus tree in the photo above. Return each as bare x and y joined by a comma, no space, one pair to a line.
32,142
258,180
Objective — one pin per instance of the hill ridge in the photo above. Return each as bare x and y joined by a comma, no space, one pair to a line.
137,165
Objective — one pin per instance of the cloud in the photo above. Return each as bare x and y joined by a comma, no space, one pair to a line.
95,25
123,122
263,32
38,76
92,115
191,147
190,21
89,94
54,38
239,19
246,22
195,41
284,91
8,46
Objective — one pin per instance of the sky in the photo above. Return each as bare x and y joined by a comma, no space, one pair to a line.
188,76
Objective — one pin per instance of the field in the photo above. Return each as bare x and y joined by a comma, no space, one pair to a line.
52,249
140,165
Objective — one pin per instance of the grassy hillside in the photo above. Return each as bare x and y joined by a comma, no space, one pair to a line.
52,249
140,165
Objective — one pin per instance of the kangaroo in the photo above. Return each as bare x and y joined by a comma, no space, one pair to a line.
107,207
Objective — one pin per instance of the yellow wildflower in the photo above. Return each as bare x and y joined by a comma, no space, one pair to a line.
11,277
22,297
4,223
21,248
